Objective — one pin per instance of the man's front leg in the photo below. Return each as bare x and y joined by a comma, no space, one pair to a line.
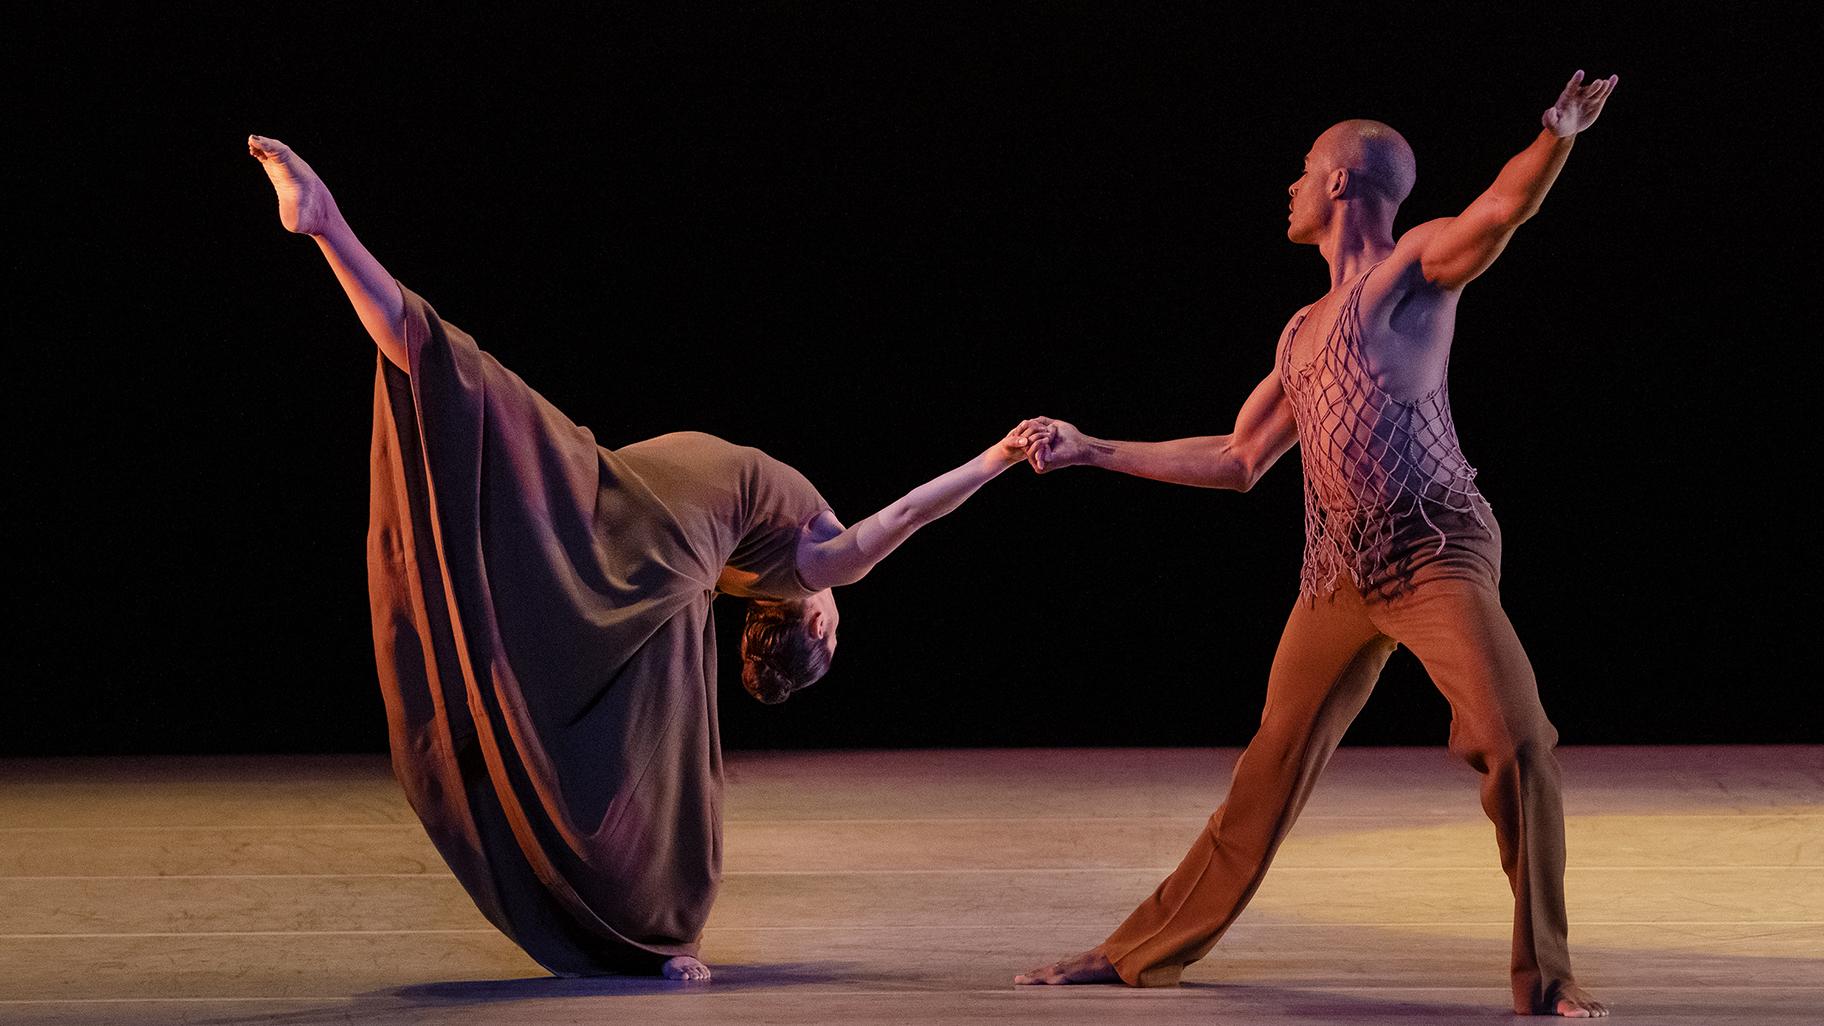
1327,663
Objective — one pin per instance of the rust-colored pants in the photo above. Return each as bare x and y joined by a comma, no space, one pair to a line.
1446,608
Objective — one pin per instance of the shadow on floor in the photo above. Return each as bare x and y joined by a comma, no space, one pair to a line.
727,977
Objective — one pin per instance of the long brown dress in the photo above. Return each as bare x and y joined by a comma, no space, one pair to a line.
541,615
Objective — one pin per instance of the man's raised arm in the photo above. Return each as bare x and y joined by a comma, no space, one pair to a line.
1264,430
1451,252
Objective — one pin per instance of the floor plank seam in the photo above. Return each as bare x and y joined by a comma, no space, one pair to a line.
1230,991
964,871
1438,819
902,927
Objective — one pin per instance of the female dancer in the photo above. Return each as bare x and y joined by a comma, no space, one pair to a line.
541,614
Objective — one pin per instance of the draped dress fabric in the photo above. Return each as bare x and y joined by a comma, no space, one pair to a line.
542,633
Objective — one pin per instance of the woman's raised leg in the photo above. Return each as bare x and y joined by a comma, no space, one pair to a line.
306,207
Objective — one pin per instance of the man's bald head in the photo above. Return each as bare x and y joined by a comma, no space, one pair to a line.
1373,152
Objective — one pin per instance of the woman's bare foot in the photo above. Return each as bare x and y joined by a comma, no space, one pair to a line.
684,967
1573,1002
305,205
1089,967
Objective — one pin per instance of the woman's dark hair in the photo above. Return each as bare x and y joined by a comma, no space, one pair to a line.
778,655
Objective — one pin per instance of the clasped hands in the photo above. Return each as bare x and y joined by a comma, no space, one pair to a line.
1043,442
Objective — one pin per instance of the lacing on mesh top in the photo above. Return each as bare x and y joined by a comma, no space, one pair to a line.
1371,461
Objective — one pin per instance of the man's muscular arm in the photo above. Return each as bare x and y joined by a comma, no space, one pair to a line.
1264,430
1451,252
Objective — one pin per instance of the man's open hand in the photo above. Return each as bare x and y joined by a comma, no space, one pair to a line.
1578,106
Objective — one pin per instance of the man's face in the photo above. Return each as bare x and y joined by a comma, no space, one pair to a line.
1307,207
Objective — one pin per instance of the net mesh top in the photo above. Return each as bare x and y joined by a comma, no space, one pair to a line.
1372,462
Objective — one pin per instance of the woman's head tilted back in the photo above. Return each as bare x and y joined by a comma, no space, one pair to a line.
787,646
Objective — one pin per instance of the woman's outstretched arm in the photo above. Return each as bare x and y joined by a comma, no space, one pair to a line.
847,557
306,207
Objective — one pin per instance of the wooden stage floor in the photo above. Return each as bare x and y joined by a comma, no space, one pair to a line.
908,887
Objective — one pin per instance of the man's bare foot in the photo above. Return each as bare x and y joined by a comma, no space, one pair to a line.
1573,1002
305,205
1089,967
685,968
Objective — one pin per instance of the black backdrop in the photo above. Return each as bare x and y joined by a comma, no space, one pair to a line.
869,238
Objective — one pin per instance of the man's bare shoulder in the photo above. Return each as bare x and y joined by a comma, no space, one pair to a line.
1408,247
1403,269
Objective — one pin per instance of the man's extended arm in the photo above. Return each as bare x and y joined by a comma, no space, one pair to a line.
1451,252
1264,430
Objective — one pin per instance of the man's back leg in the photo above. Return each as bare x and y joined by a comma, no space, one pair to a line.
1456,627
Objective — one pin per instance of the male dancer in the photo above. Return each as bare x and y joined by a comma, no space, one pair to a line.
1400,547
